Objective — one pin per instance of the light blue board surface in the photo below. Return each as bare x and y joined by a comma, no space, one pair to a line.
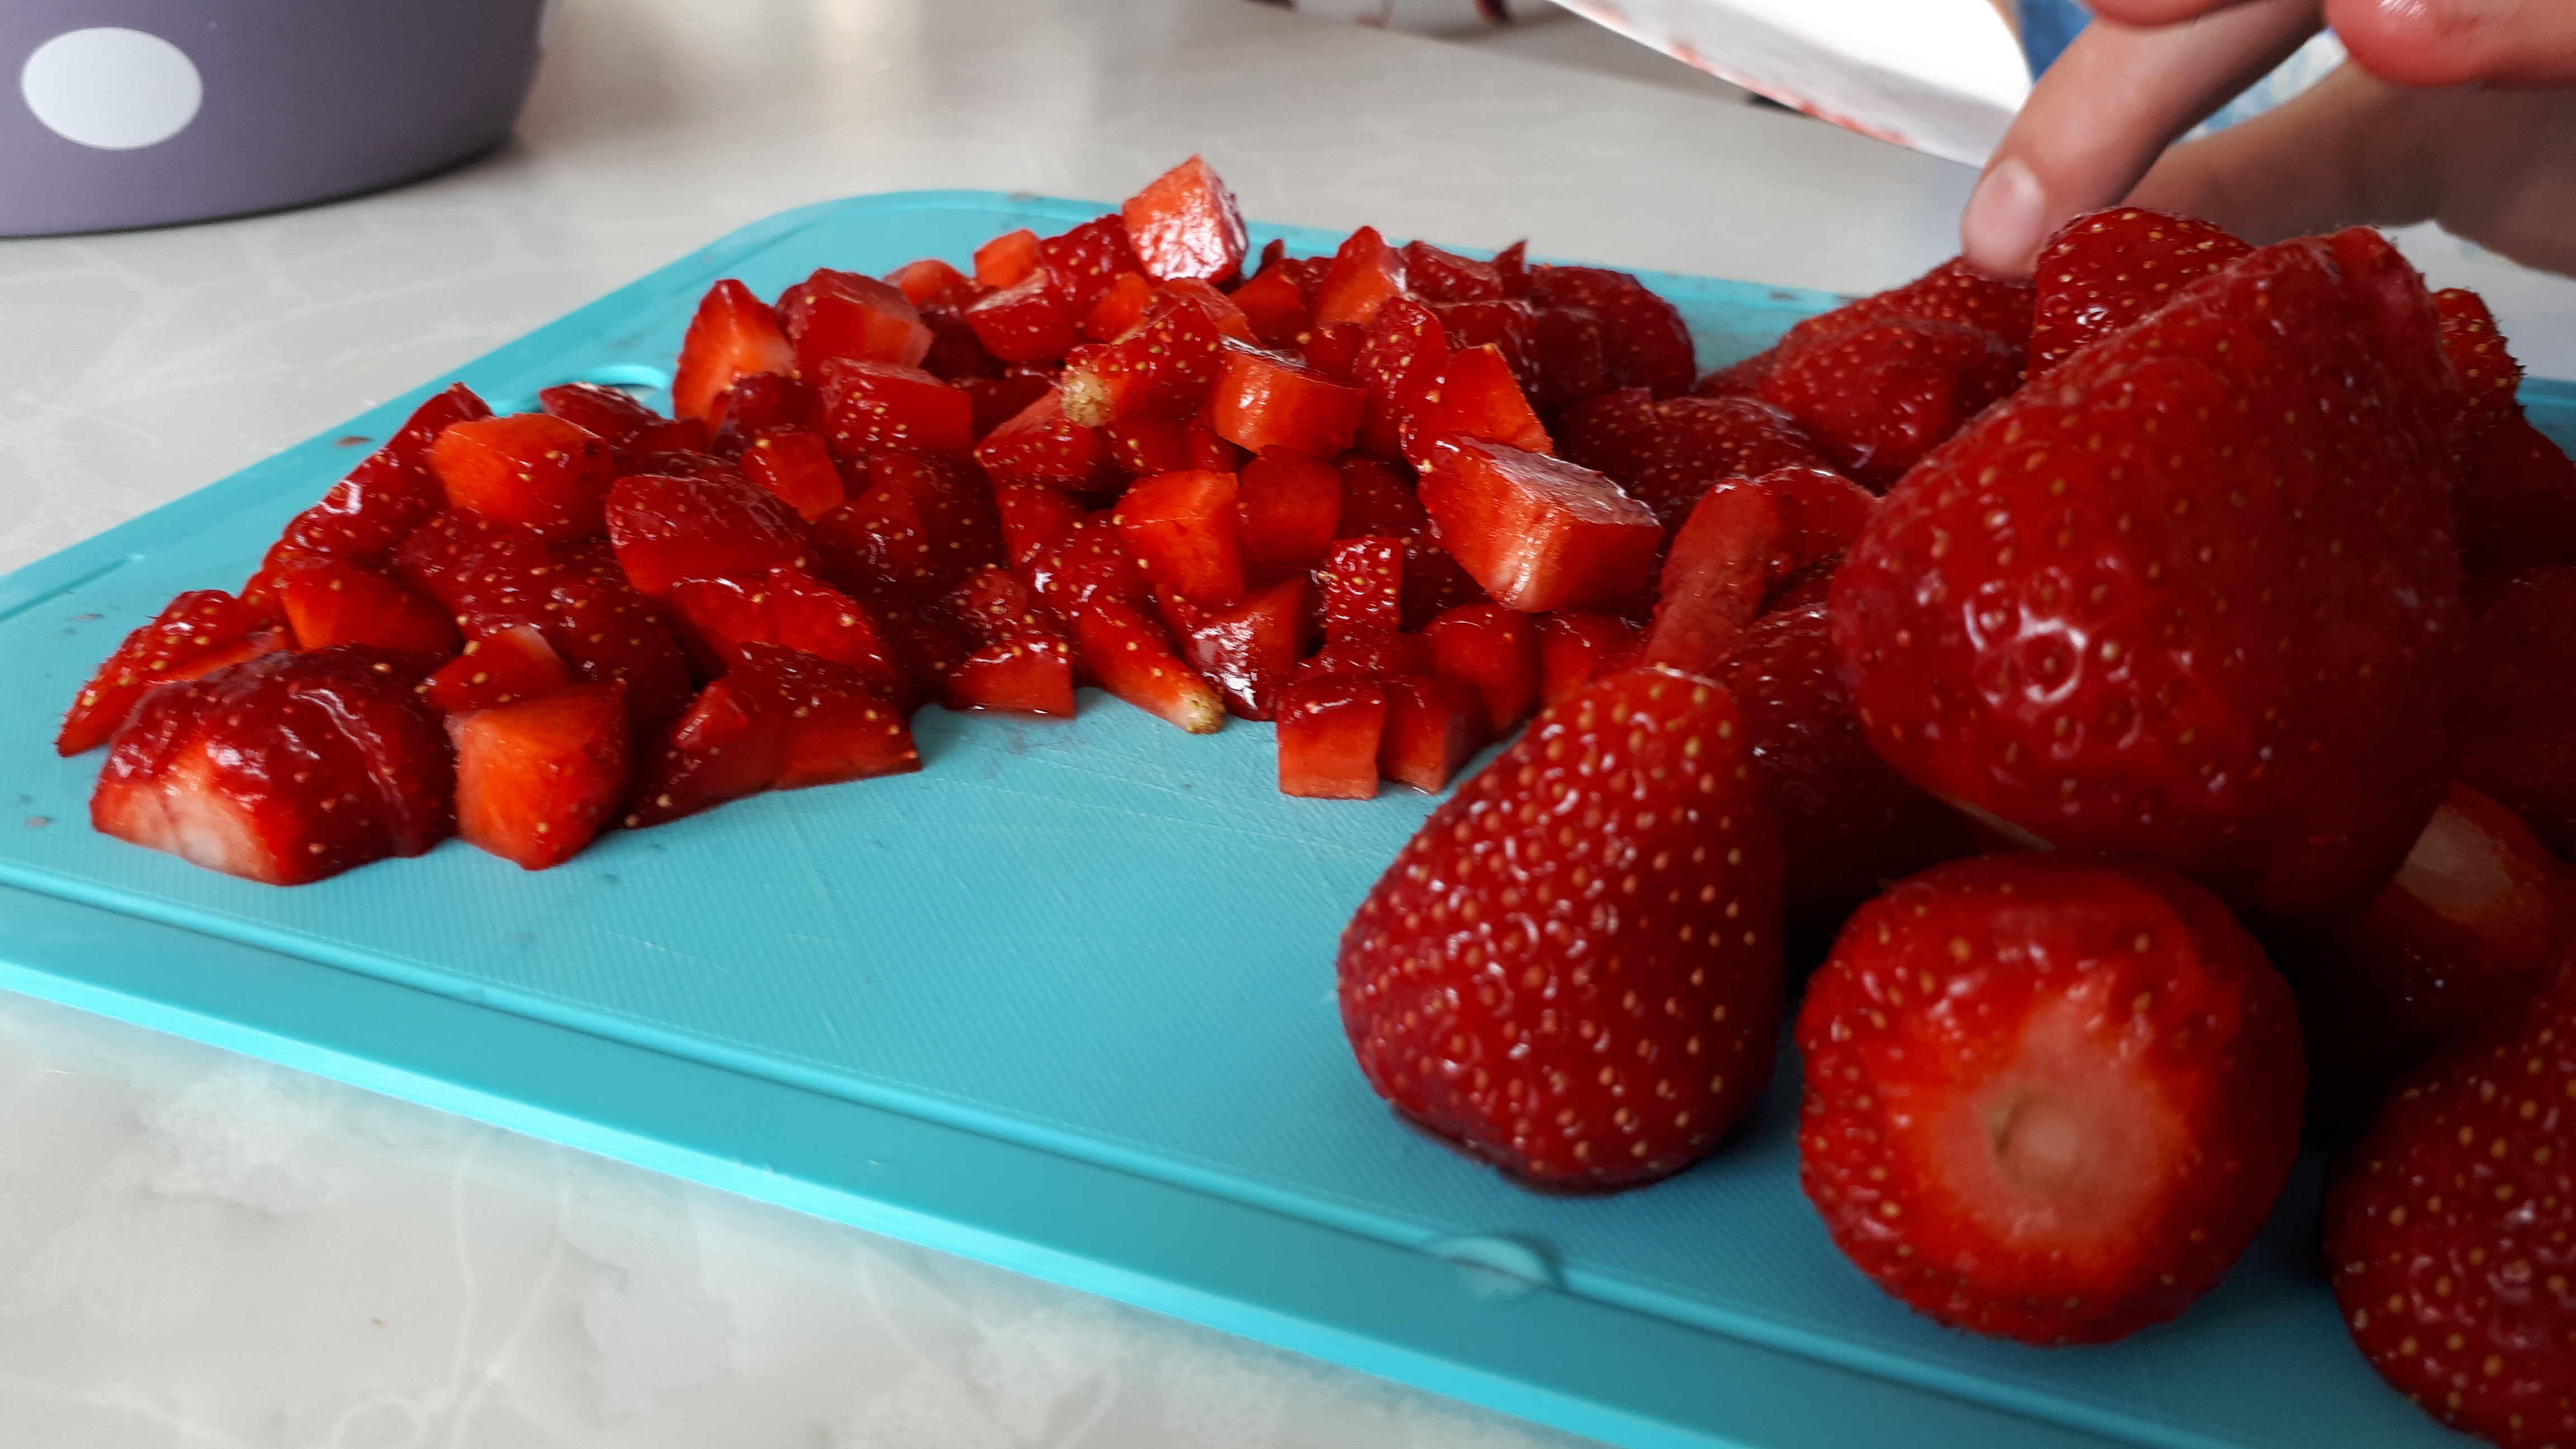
1062,1001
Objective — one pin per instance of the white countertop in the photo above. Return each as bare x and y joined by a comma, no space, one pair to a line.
199,1249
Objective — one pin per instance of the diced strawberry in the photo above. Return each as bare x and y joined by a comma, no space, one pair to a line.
918,527
1511,265
1126,651
1034,519
1511,327
389,494
2046,1099
1329,733
1475,396
2516,501
733,333
1145,444
843,314
1493,650
1566,351
929,643
533,469
792,610
332,601
1249,652
1363,582
757,403
283,769
668,529
503,666
1433,728
1007,260
836,728
1291,507
1042,445
2102,272
1275,304
870,406
796,466
956,354
1537,532
1741,378
997,400
1665,454
1262,400
537,780
1204,450
1186,530
778,720
1715,576
1092,560
609,414
1028,674
1573,647
931,282
670,435
1164,365
1330,350
995,604
197,633
1375,501
1400,359
1366,275
1822,514
1027,321
1644,342
1881,397
1185,224
1950,292
1438,276
1368,654
487,575
1120,309
1089,259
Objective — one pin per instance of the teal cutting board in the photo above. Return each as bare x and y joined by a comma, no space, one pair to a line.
1062,1001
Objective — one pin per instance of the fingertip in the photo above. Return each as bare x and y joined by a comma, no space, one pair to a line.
2007,218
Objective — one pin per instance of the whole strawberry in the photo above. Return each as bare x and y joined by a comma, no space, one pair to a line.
1574,969
2193,597
2449,1234
2047,1099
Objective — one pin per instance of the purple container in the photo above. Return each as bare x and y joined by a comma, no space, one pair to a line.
143,112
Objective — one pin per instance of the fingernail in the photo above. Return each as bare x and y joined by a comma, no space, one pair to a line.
2006,219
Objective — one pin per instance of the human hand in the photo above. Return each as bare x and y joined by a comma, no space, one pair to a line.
2456,111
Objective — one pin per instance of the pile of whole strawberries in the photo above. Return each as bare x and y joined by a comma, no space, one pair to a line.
2222,596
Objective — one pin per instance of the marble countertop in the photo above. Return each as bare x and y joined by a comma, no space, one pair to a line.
200,1249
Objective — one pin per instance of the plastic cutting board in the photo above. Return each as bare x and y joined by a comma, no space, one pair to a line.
1062,1001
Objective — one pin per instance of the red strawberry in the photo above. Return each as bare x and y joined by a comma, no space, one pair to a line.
2513,714
1495,651
199,632
2095,645
1566,355
537,780
843,314
284,769
609,414
1034,519
1329,732
1822,514
2102,272
1666,454
1291,508
1041,445
1187,532
1573,970
753,405
1007,259
1184,223
1401,356
533,469
1092,560
1087,260
1120,309
1164,365
1434,726
1721,565
1509,327
796,466
1950,292
331,601
793,610
1539,533
1644,342
1027,321
2490,379
2448,1235
1574,645
1878,398
2516,501
779,720
391,493
1475,395
916,530
1251,651
869,406
2046,1099
1849,823
1369,654
668,529
1439,276
1363,581
931,282
502,667
1127,652
1263,400
1275,301
1366,274
733,333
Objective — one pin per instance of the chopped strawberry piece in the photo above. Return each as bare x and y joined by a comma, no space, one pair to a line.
1034,519
2516,501
1027,674
1291,507
284,769
1368,654
670,435
1652,765
1330,350
997,400
843,314
1715,576
1400,359
332,601
755,404
1566,351
1573,648
836,727
1511,327
534,470
792,610
1537,532
197,633
1475,396
500,668
668,529
1329,733
1027,321
1822,514
487,575
796,466
1375,501
779,720
1120,309
1091,561
1007,260
1363,582
1950,292
1275,304
1042,445
1433,728
609,414
2074,1087
931,282
1741,378
1879,398
1493,650
1088,260
734,333
1126,651
389,494
995,604
1185,224
880,405
2102,272
1164,365
1149,443
1186,530
537,780
1644,342
1249,652
1438,276
918,527
956,354
1665,454
1263,400
1366,275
